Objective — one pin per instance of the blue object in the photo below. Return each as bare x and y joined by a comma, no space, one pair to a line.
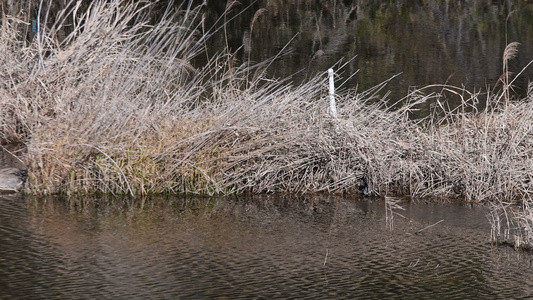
34,26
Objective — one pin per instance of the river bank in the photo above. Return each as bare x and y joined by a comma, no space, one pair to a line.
117,107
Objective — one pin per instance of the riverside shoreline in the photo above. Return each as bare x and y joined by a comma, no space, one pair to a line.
118,108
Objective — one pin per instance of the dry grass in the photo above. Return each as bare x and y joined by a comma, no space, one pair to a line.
117,107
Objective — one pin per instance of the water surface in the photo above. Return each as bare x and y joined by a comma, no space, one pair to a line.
460,43
265,248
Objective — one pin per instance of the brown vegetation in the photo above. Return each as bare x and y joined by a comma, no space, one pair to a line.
117,107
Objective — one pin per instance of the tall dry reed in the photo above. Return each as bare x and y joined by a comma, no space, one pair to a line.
117,106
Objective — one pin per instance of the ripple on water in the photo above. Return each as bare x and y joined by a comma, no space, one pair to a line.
339,249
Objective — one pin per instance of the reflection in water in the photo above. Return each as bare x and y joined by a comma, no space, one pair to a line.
267,247
428,42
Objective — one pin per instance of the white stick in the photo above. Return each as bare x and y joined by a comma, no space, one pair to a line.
332,105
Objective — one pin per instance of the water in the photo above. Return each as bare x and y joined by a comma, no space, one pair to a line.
460,43
264,248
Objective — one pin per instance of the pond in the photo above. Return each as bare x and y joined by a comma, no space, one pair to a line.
460,43
268,247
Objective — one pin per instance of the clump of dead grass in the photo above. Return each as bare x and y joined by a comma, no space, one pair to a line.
118,107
